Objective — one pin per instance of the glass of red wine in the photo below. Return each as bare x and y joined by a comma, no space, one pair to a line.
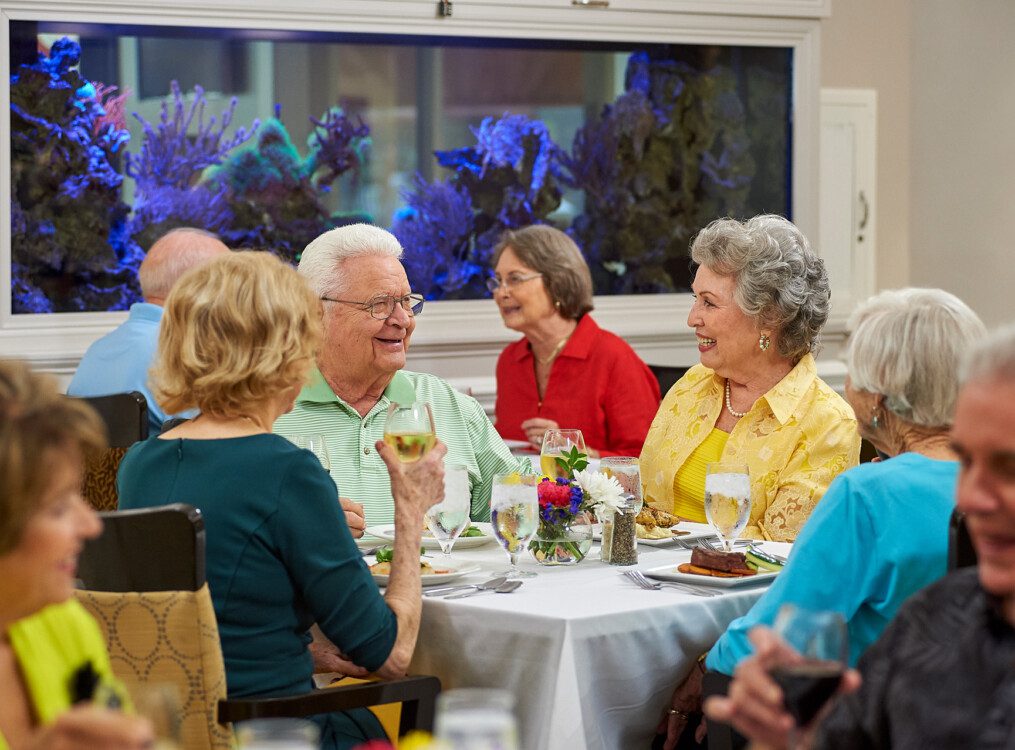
814,662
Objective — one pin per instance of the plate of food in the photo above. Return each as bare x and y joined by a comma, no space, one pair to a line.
476,535
431,572
723,569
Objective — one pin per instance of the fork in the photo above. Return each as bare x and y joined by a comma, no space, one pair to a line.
641,581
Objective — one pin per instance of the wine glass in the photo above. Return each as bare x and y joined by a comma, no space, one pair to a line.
409,429
514,508
278,734
809,671
160,703
727,500
450,517
476,719
554,443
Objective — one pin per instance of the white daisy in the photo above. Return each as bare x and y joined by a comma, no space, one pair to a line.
602,493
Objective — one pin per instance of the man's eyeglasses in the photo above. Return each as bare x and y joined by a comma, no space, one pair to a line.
382,307
512,279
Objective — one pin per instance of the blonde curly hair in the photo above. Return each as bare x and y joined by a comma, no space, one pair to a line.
236,331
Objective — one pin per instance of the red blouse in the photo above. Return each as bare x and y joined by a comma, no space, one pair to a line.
597,384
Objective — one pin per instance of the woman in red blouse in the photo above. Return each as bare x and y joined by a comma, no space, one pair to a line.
567,371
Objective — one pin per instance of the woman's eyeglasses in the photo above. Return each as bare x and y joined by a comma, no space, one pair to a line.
512,279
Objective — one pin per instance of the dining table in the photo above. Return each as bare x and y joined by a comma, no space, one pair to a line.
591,659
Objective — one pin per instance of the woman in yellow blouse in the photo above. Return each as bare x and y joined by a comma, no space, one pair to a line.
761,299
51,651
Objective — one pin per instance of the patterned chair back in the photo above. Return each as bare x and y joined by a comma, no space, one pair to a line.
154,608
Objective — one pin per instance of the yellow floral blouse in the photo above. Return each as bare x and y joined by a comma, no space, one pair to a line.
795,440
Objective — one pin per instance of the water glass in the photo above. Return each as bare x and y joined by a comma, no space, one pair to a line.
278,734
450,517
514,510
409,430
476,719
556,442
727,500
625,470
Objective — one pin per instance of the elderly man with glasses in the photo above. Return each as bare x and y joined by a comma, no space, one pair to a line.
369,316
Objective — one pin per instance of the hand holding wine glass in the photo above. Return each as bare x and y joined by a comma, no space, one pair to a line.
755,704
727,500
409,430
555,443
450,517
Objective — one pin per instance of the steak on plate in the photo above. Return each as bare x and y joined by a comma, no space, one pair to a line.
727,562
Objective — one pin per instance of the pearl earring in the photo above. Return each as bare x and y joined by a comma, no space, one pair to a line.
875,422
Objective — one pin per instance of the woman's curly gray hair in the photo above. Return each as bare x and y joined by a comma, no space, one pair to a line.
779,280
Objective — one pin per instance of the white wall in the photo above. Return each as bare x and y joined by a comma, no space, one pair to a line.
866,44
963,152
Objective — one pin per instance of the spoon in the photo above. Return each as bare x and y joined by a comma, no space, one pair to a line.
494,585
507,588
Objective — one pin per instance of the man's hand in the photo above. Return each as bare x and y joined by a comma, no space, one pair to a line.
754,705
88,727
354,516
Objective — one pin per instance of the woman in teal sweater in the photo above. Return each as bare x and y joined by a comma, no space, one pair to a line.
238,338
46,638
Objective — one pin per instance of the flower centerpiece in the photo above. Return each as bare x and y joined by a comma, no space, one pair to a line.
564,536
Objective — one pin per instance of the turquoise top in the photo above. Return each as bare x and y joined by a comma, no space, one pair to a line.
879,535
360,473
50,646
279,556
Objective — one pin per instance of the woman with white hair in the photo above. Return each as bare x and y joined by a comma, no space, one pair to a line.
881,531
761,299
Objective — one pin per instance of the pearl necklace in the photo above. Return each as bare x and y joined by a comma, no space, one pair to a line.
729,408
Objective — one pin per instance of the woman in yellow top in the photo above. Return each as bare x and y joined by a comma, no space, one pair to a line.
50,649
761,299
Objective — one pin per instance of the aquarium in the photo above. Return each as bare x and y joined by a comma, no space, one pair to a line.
120,133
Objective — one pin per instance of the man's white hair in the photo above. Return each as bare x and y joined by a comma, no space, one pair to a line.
172,255
322,262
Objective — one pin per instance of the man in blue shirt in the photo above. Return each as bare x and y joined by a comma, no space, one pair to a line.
119,361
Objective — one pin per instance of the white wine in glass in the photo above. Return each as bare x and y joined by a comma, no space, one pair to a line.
727,500
409,430
514,510
556,442
450,517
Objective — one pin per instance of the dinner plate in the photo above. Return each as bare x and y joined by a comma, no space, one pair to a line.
454,573
695,531
520,445
670,573
387,533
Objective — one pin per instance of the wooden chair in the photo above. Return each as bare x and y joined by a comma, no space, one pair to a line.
144,582
126,419
667,375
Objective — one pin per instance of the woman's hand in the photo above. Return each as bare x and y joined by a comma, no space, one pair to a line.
329,658
354,516
754,705
88,727
686,700
534,429
419,484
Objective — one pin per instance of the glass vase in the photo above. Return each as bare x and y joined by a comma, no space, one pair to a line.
562,544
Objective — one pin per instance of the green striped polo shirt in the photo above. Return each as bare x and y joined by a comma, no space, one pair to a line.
360,473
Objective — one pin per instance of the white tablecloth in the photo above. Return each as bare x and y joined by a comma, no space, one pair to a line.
590,658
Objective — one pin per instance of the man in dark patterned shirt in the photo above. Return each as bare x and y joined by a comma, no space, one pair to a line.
942,675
